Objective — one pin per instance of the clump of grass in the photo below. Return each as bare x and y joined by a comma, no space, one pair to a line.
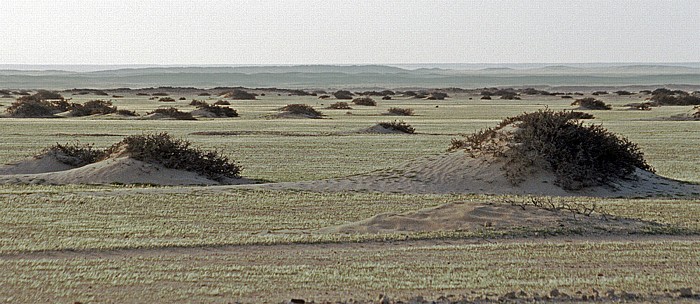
364,101
579,156
400,111
126,113
591,104
302,109
76,154
173,113
400,126
341,105
178,154
93,107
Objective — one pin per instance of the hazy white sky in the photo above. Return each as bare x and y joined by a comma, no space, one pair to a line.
347,32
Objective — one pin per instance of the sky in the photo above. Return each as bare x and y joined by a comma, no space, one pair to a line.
347,32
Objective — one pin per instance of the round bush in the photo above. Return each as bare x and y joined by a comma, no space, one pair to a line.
364,101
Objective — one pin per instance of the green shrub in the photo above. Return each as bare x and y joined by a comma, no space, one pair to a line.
177,154
364,101
398,126
591,104
93,107
341,105
302,109
173,113
400,111
579,156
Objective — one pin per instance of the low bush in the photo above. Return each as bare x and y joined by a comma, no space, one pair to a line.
343,94
591,104
173,113
160,94
623,93
486,97
400,111
579,156
222,102
93,107
197,103
177,154
676,99
182,98
31,109
204,94
166,99
238,94
364,101
100,93
341,105
387,97
400,126
302,109
596,93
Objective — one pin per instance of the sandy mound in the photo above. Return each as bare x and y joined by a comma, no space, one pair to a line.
154,159
45,162
458,172
480,216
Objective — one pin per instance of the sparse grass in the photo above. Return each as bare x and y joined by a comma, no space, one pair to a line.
397,125
341,105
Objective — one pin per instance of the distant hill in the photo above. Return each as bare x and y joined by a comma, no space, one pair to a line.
353,76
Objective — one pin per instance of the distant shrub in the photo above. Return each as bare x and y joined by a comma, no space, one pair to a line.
45,95
400,126
160,94
204,94
364,101
400,111
173,113
117,96
31,109
218,111
596,93
93,107
579,156
591,104
324,97
343,94
642,106
387,97
486,97
341,105
238,94
126,113
197,103
678,98
622,93
567,97
182,98
222,102
142,94
166,99
177,154
302,109
100,93
509,96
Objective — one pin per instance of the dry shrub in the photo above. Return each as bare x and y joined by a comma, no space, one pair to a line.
343,94
76,154
400,111
173,113
302,109
42,104
160,94
218,111
622,93
677,98
341,105
182,98
387,97
204,94
142,94
166,99
222,102
364,101
126,113
93,107
177,154
579,156
591,104
486,97
400,126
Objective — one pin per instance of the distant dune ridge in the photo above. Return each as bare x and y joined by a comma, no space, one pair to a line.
352,76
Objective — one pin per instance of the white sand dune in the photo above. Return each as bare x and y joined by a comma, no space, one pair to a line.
458,172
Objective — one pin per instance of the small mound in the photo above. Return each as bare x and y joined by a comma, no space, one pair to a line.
143,159
214,111
395,127
168,114
299,111
466,217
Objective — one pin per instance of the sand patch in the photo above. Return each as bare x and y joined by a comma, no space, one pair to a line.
464,217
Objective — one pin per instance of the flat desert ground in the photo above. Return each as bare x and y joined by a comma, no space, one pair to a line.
332,210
